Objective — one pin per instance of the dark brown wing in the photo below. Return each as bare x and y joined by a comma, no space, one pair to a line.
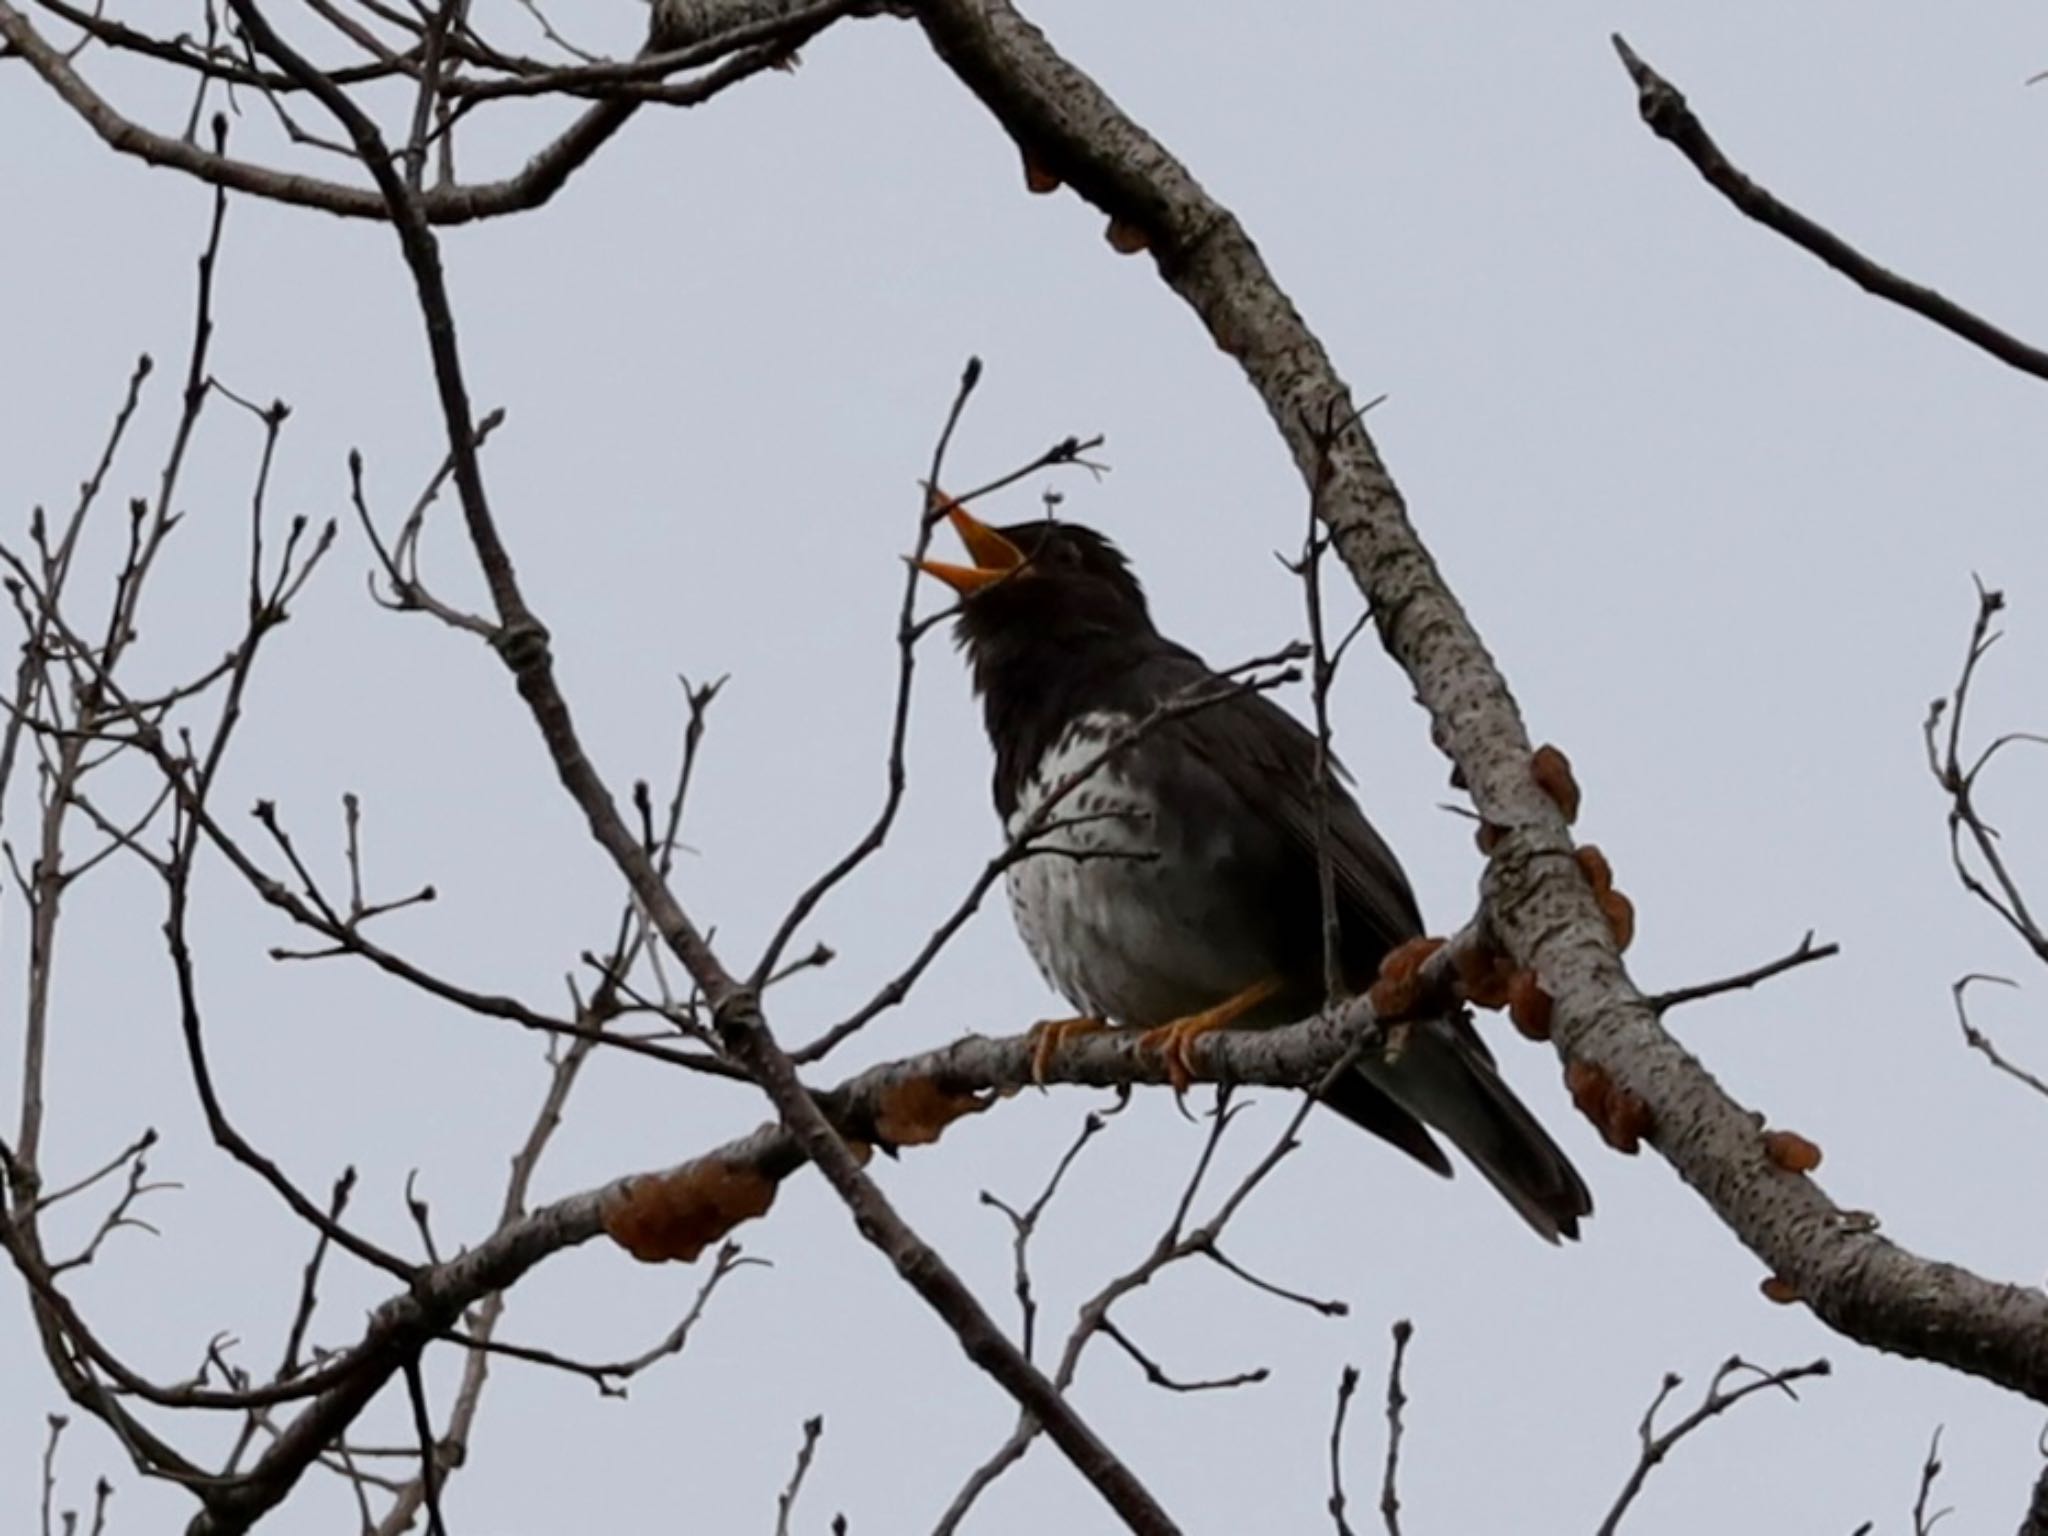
1267,760
1444,1078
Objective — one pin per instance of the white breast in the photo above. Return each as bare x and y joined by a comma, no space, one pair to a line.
1120,906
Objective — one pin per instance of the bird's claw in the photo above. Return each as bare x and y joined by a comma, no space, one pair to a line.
1048,1035
1171,1041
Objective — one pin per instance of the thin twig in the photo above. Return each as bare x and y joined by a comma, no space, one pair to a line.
1805,954
1174,1244
1397,1402
1158,1377
1024,1226
896,771
57,1425
1930,1469
134,1150
1323,664
908,632
1347,1385
1980,1042
1945,762
1656,1446
785,1502
610,1377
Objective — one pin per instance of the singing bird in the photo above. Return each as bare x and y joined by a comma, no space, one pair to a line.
1179,891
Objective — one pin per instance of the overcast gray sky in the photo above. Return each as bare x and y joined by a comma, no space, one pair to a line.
1715,511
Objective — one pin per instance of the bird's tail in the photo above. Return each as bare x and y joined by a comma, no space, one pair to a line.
1452,1087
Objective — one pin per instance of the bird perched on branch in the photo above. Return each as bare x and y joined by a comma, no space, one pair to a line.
1175,885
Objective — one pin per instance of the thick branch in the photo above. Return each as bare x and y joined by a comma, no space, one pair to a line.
1298,1056
1542,908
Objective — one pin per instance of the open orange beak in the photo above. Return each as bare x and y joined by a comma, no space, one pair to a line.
994,556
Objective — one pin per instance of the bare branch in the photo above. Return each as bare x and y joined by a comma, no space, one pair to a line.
1945,761
897,776
1024,1226
223,1130
1742,981
1323,663
1924,1522
545,173
1347,1386
117,1216
1158,1377
909,630
1664,109
1538,904
742,1027
1397,1400
785,1502
1980,1042
127,1155
611,1377
57,1426
1719,1399
1174,1244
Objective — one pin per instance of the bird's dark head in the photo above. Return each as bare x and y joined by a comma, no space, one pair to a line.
1042,584
1054,624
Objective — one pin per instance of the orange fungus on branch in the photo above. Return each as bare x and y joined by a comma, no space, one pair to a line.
1398,991
1552,771
1529,1005
916,1112
677,1215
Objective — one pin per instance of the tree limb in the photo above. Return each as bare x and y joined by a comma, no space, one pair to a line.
736,1009
545,173
1859,1283
1718,1400
1664,108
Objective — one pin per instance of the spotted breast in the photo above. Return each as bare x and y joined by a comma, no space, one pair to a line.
1119,901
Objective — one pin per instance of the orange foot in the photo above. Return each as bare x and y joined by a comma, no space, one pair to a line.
1172,1040
1048,1035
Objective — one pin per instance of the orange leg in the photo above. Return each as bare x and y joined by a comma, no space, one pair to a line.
1172,1040
1048,1035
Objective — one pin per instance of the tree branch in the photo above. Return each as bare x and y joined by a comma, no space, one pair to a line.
1397,1401
1538,902
742,1027
1664,109
1718,1400
1347,1387
760,48
1742,981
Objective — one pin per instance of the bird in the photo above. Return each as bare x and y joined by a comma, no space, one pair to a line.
1174,884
